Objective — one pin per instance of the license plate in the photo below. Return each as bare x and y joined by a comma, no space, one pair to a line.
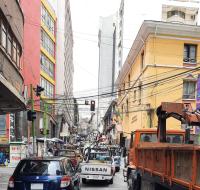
37,186
95,177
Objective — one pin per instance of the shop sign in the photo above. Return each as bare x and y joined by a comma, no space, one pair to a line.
2,125
17,152
3,140
12,127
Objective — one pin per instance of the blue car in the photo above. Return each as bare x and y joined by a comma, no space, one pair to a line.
53,173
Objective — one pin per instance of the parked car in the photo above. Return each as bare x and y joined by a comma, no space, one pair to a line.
51,173
72,155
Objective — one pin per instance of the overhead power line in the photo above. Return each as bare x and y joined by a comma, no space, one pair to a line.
133,87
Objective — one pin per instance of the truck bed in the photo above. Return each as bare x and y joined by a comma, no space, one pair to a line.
172,163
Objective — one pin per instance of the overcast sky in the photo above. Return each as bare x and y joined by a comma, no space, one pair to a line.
85,23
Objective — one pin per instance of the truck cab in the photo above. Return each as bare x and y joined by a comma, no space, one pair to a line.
144,136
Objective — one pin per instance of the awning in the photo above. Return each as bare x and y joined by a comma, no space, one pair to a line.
119,128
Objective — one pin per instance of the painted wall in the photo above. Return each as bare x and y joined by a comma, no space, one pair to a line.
31,54
162,58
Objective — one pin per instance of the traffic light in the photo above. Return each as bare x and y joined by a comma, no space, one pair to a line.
31,115
41,131
38,90
92,105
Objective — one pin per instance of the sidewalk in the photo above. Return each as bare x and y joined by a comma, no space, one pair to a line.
5,173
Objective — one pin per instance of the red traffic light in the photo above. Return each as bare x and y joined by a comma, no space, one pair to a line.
92,105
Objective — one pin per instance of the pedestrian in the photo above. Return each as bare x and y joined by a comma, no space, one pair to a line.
124,152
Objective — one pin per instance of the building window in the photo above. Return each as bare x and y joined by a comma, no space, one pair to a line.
9,45
127,106
122,112
18,57
3,35
142,60
119,93
140,94
193,17
175,13
134,95
190,53
129,80
47,43
14,55
189,89
48,87
9,42
47,19
47,66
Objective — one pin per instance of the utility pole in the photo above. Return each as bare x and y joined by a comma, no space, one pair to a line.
99,44
32,109
45,126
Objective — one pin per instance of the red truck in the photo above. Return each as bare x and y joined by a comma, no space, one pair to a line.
161,159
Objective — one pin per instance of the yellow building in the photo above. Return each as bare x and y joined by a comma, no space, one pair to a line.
48,46
161,67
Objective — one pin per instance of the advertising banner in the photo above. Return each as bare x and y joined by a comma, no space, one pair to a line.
2,125
17,152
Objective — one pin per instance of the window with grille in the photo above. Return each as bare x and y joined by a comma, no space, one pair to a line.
190,53
189,89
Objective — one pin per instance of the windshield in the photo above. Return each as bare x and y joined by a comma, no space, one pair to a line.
100,156
37,168
170,138
176,138
145,137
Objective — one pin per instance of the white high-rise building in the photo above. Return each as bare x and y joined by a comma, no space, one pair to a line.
64,67
107,62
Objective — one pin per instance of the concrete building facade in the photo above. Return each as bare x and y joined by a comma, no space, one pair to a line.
107,63
39,63
64,67
162,66
11,64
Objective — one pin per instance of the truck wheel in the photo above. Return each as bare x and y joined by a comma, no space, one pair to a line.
111,181
84,181
130,182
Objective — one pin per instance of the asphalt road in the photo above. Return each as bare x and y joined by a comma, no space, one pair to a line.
118,182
